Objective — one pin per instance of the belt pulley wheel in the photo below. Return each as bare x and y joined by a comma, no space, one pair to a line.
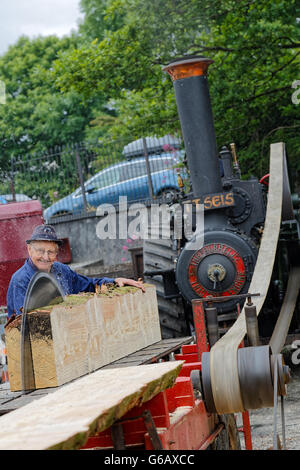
206,389
256,378
283,373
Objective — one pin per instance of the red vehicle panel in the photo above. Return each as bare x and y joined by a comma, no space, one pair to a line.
17,221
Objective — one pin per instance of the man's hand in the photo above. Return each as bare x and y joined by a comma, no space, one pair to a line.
122,281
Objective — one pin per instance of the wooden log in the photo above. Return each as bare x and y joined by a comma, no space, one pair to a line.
84,333
65,418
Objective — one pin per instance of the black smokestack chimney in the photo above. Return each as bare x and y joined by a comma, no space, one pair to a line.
194,109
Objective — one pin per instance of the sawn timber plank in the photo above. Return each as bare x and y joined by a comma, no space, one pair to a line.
65,418
84,333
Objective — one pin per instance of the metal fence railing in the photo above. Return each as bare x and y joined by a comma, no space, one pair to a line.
74,180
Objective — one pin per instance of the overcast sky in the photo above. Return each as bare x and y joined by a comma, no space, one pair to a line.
36,17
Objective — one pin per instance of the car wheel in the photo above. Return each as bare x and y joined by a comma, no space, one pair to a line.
168,194
60,214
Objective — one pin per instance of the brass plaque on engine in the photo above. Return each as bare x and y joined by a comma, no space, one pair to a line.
215,200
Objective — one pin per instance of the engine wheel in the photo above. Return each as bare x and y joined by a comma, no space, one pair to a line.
168,194
229,438
161,254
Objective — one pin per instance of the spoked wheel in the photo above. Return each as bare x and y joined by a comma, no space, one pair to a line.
160,254
229,438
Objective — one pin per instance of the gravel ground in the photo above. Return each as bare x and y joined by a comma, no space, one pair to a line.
262,420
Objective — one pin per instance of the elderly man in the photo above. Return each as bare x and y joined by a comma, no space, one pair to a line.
43,249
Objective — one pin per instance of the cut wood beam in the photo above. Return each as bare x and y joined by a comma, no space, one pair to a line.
84,333
64,419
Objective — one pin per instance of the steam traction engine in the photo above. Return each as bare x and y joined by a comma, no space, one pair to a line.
247,250
234,218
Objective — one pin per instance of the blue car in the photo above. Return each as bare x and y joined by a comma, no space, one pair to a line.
128,178
5,198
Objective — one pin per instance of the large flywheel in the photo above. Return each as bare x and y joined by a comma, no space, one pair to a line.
223,266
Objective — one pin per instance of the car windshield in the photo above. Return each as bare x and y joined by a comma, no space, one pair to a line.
162,164
106,178
137,169
133,170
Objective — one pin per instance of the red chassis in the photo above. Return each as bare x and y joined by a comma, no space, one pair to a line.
174,419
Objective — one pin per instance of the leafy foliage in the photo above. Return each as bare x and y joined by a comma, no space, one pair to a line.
108,79
37,115
254,45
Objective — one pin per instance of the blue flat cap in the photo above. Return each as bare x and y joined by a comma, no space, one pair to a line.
44,233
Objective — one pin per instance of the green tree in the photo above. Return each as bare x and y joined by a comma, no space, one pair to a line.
38,120
255,47
37,115
97,19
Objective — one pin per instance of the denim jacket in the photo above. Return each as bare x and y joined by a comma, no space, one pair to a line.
70,281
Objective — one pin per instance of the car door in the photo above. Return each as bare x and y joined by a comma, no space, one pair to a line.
163,171
135,180
103,187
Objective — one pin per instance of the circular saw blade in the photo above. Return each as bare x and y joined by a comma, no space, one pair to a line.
43,289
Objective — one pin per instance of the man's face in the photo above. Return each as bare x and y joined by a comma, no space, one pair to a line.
43,254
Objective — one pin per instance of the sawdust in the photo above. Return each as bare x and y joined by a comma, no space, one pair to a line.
14,322
44,362
40,325
106,290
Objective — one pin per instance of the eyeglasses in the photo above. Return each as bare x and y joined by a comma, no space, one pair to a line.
42,251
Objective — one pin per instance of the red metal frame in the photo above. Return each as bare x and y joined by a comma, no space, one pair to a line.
181,421
264,179
200,328
246,429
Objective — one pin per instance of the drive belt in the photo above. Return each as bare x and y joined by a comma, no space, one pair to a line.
286,312
232,371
